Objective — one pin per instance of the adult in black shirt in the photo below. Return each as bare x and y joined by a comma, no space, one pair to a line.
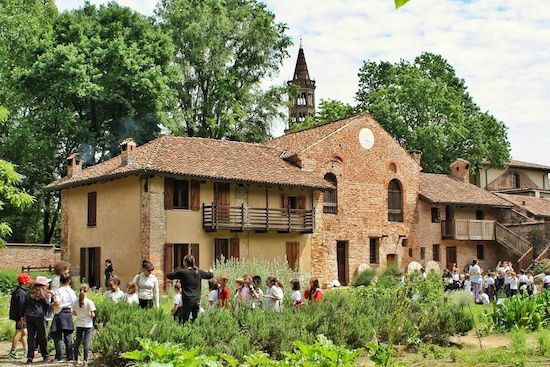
190,279
108,272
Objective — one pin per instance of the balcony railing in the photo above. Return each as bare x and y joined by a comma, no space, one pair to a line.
242,218
468,229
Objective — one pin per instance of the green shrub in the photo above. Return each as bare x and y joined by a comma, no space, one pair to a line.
364,278
7,329
521,311
542,267
389,276
8,279
543,339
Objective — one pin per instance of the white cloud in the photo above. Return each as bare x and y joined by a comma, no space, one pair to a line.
501,49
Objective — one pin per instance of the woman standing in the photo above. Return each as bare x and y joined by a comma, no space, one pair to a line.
37,304
274,295
62,324
148,286
84,310
314,293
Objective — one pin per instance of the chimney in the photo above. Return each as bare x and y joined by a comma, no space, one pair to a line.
127,148
416,155
74,165
460,169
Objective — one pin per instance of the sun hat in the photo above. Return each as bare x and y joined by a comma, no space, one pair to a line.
42,280
24,278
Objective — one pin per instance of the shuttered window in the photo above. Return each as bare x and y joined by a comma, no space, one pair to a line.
374,250
330,204
181,194
225,249
395,202
92,209
292,254
436,253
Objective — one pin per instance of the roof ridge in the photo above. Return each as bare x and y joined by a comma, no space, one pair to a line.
322,125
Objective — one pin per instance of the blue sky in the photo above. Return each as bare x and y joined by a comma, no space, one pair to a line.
501,49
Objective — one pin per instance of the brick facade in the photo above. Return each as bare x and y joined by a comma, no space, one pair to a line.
15,256
506,181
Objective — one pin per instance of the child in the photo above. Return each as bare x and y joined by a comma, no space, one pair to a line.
114,293
314,293
36,306
467,285
16,313
239,285
213,293
223,291
84,310
177,303
248,288
258,295
62,324
131,295
513,284
297,300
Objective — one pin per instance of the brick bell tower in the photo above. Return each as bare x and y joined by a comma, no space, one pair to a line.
302,104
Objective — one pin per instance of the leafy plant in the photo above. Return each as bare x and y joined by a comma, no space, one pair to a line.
364,278
322,353
521,311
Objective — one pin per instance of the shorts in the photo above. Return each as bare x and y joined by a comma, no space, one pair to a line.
20,325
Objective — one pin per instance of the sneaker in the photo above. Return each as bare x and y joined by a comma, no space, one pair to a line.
85,363
29,361
13,354
48,359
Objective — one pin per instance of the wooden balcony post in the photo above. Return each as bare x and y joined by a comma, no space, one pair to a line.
242,216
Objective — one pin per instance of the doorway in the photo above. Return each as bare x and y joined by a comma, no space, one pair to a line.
342,260
450,256
90,266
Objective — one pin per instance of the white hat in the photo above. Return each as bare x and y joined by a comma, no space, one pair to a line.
42,280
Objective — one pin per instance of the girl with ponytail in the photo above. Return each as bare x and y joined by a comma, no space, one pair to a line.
84,310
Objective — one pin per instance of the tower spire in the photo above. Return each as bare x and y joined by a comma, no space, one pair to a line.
302,95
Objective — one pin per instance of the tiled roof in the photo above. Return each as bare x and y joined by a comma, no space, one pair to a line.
536,206
444,189
521,164
200,158
292,143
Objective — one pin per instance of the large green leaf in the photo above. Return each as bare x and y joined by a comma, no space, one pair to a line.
400,3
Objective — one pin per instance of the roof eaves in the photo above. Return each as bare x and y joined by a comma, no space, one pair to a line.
92,180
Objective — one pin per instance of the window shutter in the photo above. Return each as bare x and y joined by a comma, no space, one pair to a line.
168,193
195,252
285,202
292,254
301,202
168,262
195,195
234,248
98,276
92,208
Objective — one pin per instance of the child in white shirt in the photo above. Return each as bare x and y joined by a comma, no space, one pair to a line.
131,294
296,296
84,310
177,303
114,293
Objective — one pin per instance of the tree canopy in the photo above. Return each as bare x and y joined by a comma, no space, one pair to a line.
427,107
223,51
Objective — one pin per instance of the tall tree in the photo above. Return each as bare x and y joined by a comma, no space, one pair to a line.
427,107
328,110
100,76
224,48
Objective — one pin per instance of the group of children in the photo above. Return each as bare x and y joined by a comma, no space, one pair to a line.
487,286
54,302
248,291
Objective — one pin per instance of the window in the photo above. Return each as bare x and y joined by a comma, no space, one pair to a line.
480,215
181,194
436,253
330,204
395,202
480,252
422,253
183,249
435,215
516,181
92,209
293,202
225,248
374,250
410,252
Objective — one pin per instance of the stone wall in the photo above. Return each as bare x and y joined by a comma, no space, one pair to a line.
16,255
536,233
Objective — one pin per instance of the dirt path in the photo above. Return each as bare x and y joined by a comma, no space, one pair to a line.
6,361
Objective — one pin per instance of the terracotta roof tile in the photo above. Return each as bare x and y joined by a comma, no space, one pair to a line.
521,164
293,143
201,158
444,189
536,206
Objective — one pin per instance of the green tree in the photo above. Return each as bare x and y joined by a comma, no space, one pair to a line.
224,49
328,110
426,107
10,193
99,76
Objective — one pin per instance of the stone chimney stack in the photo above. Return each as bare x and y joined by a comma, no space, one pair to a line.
127,148
416,155
460,169
74,165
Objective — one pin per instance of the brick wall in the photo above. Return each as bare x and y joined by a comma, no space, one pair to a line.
363,177
14,256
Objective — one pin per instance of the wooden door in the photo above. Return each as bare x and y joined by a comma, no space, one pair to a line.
83,267
292,254
342,261
450,255
93,273
221,199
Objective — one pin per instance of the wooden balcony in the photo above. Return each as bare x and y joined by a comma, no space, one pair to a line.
242,218
468,229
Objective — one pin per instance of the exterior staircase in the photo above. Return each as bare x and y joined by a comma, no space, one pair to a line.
519,245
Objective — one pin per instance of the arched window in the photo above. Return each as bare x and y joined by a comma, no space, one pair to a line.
330,204
395,202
